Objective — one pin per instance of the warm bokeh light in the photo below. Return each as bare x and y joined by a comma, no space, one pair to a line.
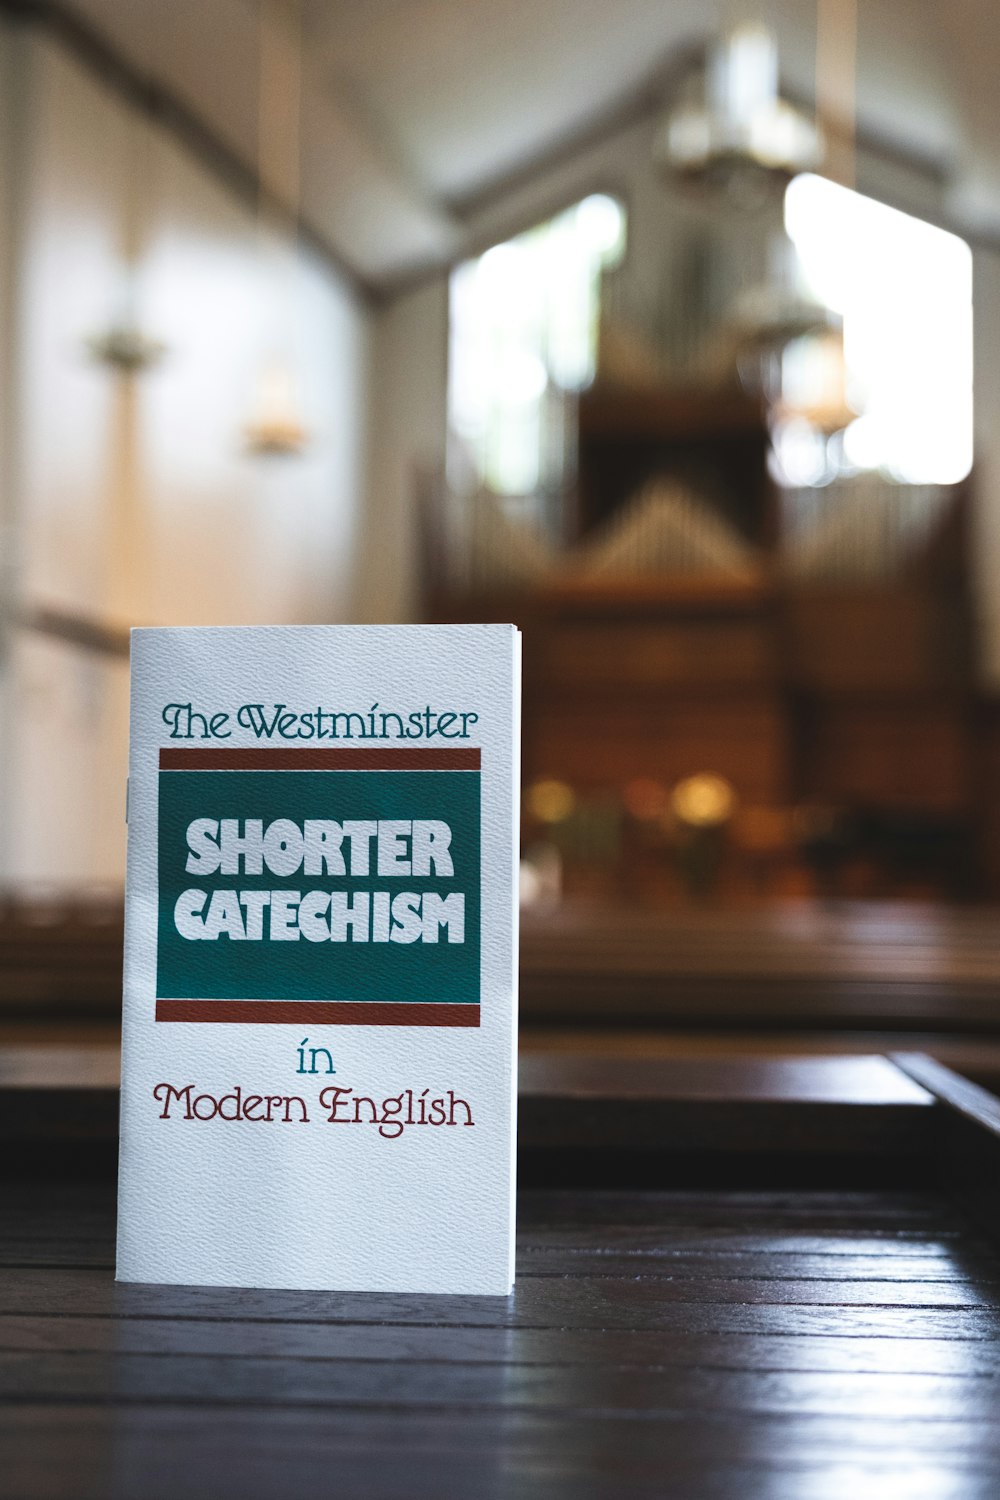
703,801
550,801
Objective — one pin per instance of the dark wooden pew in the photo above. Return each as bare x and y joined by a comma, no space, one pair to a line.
756,1278
803,967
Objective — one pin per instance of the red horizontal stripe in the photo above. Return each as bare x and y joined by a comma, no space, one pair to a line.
318,1012
396,758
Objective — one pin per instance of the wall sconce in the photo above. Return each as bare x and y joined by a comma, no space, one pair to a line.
125,348
276,428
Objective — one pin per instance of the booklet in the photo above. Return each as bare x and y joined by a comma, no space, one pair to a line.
319,1032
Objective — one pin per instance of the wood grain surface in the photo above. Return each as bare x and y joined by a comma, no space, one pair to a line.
798,1343
771,1346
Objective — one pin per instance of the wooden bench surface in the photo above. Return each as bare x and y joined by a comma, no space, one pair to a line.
803,966
716,1344
62,1096
787,1344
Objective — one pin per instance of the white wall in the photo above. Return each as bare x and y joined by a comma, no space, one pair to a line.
134,498
406,439
10,73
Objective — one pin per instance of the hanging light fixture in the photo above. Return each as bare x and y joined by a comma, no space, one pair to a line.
124,347
781,308
276,426
123,343
813,404
740,135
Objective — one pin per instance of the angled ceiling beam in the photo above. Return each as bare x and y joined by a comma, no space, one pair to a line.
356,214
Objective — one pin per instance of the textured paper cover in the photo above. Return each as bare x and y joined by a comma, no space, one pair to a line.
312,1204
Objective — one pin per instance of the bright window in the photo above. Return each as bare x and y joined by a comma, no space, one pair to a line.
904,290
524,322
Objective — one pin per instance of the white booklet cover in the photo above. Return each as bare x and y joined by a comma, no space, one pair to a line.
318,1065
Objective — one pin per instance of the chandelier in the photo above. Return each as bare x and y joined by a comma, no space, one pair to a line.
740,135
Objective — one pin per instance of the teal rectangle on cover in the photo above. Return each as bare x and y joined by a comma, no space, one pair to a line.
228,966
